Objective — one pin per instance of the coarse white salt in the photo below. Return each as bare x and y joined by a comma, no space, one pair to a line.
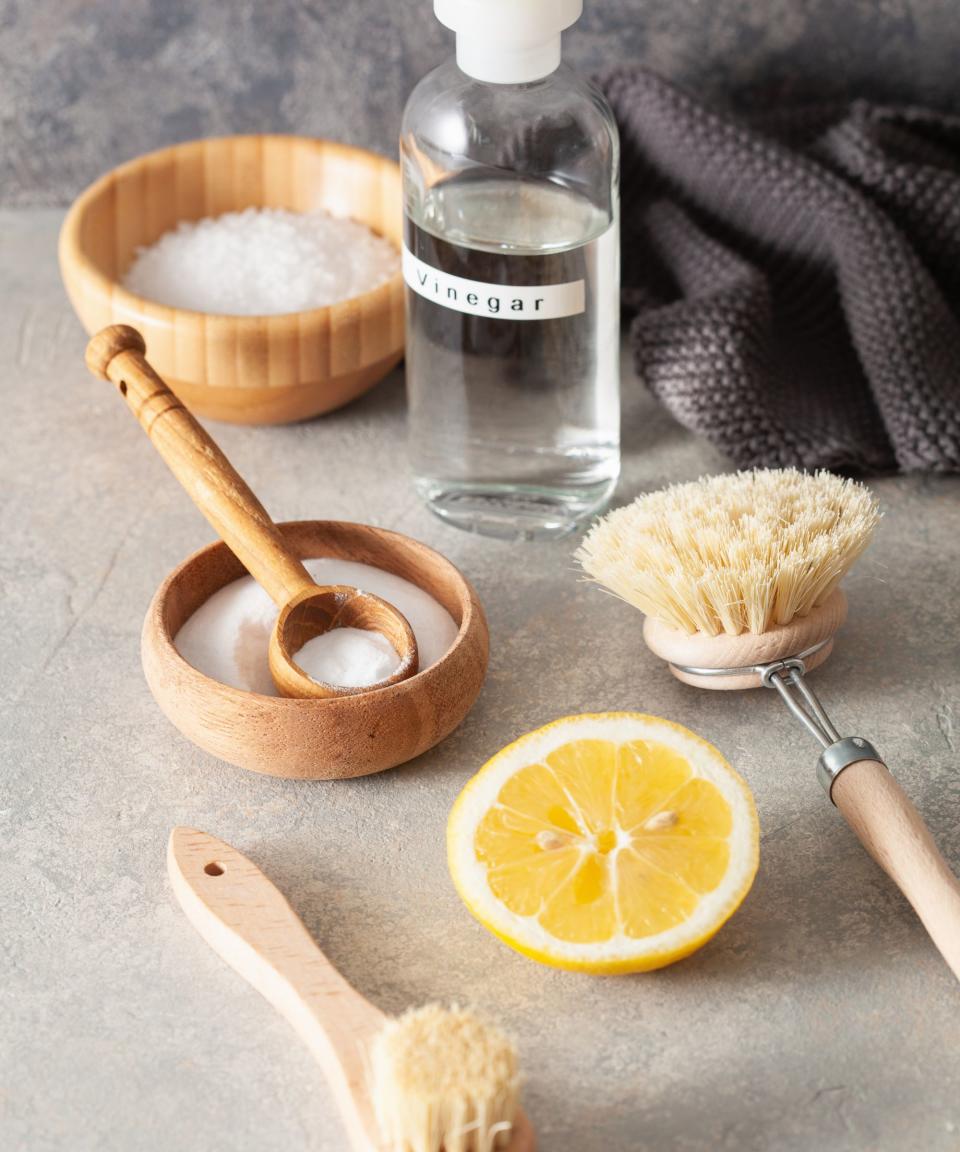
262,262
349,658
228,637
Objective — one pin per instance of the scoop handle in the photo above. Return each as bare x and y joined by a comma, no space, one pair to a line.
893,832
249,924
117,354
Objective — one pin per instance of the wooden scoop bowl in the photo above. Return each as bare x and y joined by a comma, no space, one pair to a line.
307,610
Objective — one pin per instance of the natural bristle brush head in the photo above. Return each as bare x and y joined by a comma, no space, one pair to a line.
444,1079
735,570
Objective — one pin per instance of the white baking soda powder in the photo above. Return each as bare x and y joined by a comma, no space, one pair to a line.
228,637
262,262
349,658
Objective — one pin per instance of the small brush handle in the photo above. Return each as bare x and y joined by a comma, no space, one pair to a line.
893,832
248,923
237,516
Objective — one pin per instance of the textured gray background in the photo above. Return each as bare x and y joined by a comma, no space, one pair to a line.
86,83
820,1019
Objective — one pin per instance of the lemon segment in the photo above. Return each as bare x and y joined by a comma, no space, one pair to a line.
608,843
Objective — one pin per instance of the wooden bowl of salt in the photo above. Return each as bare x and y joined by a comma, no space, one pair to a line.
247,369
206,633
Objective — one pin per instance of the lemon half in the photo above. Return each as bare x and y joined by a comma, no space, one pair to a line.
616,842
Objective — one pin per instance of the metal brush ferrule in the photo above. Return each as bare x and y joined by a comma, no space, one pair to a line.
787,678
841,755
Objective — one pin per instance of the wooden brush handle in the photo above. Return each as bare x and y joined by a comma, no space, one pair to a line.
893,832
247,921
237,516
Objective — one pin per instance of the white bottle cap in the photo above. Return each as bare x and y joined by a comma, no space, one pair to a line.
508,41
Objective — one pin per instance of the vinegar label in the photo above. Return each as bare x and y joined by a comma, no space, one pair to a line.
493,301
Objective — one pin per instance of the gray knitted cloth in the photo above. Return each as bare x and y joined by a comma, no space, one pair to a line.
793,279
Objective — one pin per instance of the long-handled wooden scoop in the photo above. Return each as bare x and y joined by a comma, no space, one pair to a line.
307,610
431,1079
738,577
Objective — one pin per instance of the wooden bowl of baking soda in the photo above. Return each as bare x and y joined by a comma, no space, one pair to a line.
205,655
263,271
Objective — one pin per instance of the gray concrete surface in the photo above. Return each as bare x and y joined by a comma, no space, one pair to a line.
819,1020
87,83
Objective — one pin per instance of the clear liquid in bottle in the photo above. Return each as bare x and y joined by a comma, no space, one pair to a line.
512,353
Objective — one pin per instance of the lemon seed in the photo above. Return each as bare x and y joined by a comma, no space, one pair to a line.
660,821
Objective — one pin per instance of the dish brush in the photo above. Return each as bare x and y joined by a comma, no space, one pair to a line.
738,577
432,1079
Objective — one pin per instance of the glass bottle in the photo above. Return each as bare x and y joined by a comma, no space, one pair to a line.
511,259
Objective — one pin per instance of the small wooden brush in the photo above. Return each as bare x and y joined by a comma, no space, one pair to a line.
433,1080
739,578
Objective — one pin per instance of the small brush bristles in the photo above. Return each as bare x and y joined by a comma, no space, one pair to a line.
737,553
444,1079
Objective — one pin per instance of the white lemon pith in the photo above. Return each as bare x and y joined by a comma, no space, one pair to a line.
608,843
